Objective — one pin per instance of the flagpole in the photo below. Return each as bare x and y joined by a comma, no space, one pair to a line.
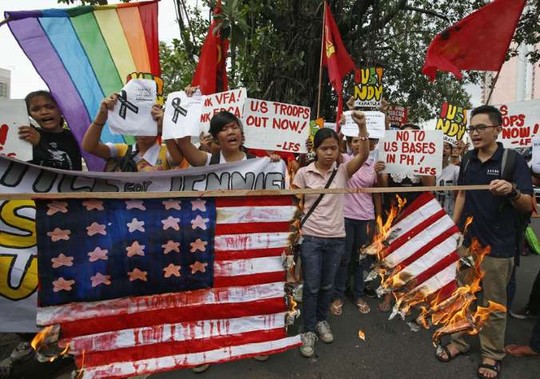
321,63
4,21
493,86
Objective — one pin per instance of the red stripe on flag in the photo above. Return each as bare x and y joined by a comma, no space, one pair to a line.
447,291
419,202
436,268
401,240
247,254
252,227
136,353
255,201
430,245
248,280
123,320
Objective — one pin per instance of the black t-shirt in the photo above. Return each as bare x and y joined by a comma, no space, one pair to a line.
57,150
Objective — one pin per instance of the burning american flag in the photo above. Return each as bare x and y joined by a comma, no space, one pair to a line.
141,286
417,255
418,264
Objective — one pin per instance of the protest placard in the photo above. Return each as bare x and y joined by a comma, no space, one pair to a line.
521,121
368,92
131,113
231,101
12,115
276,126
412,152
182,115
453,122
374,125
397,116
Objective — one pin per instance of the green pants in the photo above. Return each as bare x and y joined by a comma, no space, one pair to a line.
497,272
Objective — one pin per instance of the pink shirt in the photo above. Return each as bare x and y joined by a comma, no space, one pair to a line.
359,206
327,219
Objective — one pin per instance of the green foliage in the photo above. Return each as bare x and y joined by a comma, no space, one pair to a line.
275,48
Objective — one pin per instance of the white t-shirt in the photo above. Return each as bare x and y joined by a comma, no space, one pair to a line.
448,177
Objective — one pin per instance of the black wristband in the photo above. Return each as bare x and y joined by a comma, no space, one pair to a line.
514,194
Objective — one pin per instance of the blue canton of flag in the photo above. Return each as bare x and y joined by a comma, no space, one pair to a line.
106,249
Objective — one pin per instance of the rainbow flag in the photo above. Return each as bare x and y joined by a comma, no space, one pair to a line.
86,53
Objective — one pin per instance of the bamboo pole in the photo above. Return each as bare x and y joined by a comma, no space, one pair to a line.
231,193
321,63
493,86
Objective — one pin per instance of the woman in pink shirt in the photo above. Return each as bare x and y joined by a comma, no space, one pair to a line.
359,212
323,232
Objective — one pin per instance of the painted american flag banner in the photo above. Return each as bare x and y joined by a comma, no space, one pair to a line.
419,258
18,250
142,286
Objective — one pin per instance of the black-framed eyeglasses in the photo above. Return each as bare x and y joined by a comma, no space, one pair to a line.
479,128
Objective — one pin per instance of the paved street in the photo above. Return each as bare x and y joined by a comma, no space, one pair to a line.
390,350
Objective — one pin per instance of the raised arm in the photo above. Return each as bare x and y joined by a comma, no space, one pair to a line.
91,141
194,156
363,152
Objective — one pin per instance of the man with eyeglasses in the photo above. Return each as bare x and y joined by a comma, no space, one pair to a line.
495,215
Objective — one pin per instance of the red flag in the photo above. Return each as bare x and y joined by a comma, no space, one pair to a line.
335,56
211,72
478,42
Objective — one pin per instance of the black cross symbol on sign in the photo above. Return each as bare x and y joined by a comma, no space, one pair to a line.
177,109
125,105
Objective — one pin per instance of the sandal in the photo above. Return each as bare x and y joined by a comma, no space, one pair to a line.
496,367
336,308
385,305
362,306
447,357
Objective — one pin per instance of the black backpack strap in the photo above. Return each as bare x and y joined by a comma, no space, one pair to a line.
465,163
508,164
215,158
319,198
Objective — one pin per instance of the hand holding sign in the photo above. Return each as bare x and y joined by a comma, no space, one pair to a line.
182,115
131,107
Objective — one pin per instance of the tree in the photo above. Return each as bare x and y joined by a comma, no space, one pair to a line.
275,47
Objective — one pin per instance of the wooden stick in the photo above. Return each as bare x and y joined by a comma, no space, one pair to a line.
493,87
231,193
5,21
321,63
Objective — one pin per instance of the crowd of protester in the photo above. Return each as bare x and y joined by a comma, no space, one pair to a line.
335,227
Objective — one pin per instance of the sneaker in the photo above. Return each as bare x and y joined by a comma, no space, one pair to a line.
324,331
522,314
21,352
308,347
200,368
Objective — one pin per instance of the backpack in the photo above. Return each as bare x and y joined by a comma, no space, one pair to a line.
508,164
123,164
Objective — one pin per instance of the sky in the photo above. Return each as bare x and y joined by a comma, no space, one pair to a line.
24,78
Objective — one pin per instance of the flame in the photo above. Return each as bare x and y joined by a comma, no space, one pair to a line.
380,240
361,335
46,344
468,223
40,338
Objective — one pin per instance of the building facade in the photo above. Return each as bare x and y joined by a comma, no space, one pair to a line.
5,83
519,80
